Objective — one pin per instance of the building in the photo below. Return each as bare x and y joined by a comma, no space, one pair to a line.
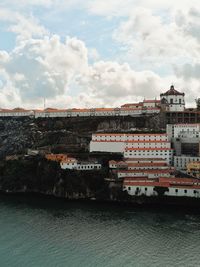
56,157
173,100
16,112
164,153
186,130
193,169
140,145
174,187
151,103
74,164
181,162
185,139
148,173
69,163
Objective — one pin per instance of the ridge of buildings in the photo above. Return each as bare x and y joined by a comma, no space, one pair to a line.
171,101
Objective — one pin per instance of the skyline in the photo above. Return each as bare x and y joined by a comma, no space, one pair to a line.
97,53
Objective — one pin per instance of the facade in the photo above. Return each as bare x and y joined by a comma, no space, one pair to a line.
16,112
74,164
185,139
193,169
181,162
183,131
148,173
173,100
164,153
151,103
174,187
133,145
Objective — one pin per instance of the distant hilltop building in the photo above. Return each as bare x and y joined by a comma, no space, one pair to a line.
171,104
172,100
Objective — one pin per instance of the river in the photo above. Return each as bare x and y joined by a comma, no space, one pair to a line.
37,231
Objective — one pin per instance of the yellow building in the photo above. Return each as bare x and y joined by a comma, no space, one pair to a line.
193,169
56,157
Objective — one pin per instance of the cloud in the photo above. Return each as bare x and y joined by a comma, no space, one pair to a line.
188,71
110,82
119,8
152,39
41,68
156,45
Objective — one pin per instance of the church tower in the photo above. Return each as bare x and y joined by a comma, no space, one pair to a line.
173,100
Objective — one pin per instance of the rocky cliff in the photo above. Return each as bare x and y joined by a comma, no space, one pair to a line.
58,135
71,135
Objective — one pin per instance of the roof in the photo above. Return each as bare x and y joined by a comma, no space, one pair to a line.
172,91
151,101
165,182
125,134
144,159
112,162
148,164
186,124
147,148
147,171
132,104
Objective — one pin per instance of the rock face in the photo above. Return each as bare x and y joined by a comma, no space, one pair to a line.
70,135
61,135
46,177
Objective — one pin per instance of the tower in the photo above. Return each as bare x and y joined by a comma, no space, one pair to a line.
173,99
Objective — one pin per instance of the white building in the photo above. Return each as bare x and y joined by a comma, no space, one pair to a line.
176,187
151,103
73,164
115,142
150,174
133,145
180,162
173,99
187,130
164,153
16,112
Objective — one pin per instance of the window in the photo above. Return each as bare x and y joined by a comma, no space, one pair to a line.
129,188
176,190
145,188
171,100
185,191
195,191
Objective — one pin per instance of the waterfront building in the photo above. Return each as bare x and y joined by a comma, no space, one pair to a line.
162,186
148,173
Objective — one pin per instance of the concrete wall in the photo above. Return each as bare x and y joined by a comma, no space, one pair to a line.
107,147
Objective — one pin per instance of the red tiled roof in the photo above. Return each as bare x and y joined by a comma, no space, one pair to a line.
151,101
172,91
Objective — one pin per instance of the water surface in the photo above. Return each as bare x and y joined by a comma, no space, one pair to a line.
35,231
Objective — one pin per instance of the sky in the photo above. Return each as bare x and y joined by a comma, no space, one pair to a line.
97,53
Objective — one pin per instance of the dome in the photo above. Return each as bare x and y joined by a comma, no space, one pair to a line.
172,91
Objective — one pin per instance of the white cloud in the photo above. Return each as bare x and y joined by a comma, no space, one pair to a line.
147,37
111,82
43,67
